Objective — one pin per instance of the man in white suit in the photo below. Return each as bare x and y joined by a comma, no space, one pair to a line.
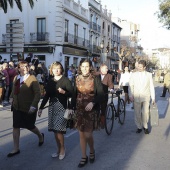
141,91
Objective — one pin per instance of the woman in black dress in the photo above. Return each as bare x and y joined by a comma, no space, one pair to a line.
58,90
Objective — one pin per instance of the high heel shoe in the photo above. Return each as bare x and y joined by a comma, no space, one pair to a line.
41,143
11,154
83,162
92,157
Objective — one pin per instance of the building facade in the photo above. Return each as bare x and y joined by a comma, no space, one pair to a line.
55,30
60,30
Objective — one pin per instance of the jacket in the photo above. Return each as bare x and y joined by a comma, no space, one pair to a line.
29,94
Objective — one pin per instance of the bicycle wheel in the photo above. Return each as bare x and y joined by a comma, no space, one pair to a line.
109,119
121,111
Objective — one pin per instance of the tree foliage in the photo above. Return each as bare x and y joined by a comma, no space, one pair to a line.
4,4
164,13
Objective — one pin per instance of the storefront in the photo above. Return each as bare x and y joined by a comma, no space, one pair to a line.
73,56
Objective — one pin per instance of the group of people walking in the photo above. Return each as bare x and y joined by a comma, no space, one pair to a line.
83,99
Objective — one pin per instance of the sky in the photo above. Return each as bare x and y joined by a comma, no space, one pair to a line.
141,12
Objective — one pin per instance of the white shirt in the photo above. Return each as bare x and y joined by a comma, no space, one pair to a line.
22,78
124,79
102,77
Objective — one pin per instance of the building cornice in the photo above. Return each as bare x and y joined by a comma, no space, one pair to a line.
75,15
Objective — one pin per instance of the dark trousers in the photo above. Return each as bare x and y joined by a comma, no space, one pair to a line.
164,91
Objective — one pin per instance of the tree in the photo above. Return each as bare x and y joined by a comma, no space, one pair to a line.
164,13
124,54
4,4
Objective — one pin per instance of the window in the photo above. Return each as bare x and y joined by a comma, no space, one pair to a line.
41,29
103,25
75,62
66,30
108,28
84,34
75,33
91,18
14,21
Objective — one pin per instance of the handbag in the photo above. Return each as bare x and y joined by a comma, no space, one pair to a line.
67,114
154,115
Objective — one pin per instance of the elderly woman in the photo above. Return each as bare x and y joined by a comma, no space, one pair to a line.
25,97
58,90
87,97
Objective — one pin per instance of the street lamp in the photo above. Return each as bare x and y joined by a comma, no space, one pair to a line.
101,46
101,56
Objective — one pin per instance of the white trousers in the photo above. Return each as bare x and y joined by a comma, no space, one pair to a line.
141,114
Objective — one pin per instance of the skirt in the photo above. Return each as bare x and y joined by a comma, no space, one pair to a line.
87,121
23,119
56,121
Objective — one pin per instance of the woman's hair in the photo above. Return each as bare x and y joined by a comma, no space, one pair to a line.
85,60
56,64
22,63
143,62
124,69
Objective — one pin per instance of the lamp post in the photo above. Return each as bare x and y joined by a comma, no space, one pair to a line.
101,46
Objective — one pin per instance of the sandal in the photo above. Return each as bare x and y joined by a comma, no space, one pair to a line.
92,157
83,162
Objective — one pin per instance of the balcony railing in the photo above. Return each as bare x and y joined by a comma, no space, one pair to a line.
4,39
94,49
114,56
95,26
75,40
39,37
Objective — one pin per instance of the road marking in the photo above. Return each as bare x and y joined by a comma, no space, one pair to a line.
71,133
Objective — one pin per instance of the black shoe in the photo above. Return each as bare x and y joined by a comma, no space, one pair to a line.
146,131
139,130
13,154
83,162
162,96
41,143
92,157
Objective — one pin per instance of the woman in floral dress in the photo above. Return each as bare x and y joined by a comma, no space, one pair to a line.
86,100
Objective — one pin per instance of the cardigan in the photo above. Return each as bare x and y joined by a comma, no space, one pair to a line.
29,94
98,94
52,91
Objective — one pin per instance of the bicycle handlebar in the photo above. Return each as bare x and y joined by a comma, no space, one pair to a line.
117,92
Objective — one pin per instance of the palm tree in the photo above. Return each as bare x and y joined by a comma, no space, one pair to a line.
4,4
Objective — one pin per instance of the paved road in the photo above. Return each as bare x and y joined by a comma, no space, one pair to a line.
122,150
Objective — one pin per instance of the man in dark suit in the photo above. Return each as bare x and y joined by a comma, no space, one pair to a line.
107,82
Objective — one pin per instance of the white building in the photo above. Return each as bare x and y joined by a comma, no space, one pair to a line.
54,30
130,38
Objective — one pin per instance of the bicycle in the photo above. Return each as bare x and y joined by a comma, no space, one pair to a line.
112,114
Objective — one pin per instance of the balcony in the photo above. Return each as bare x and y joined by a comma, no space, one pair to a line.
95,26
39,38
75,40
95,49
114,56
4,39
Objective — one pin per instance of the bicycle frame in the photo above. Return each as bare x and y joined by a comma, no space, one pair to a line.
114,95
